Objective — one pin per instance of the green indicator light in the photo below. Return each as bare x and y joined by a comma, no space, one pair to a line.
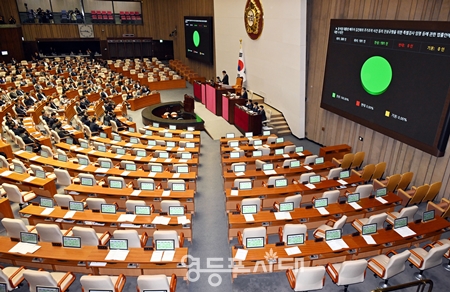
333,95
376,75
196,38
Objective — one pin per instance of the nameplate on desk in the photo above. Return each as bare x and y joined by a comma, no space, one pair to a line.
308,167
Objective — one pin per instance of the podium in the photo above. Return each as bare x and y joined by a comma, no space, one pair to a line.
189,103
228,104
213,97
246,122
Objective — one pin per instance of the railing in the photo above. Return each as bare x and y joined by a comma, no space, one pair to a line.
419,284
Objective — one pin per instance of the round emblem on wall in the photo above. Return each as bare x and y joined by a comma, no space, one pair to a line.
253,18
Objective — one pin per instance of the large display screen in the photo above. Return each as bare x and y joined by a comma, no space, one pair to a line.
393,77
198,33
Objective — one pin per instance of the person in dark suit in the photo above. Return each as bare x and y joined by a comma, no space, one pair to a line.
45,116
84,103
28,101
262,112
52,120
85,120
40,95
103,94
255,107
244,94
94,127
78,108
225,78
249,104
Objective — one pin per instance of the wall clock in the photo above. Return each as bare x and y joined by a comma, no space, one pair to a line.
86,30
253,18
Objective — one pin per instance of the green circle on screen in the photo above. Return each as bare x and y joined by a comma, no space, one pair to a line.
196,38
376,75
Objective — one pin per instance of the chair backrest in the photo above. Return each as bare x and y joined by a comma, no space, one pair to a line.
89,282
332,196
63,200
116,178
296,199
393,181
167,234
48,150
379,170
131,235
13,193
123,163
334,173
107,160
131,204
89,176
367,172
419,194
165,204
294,229
347,160
19,163
253,232
358,159
364,190
408,212
170,182
287,162
39,278
265,150
432,191
95,203
289,148
340,223
153,282
271,139
87,235
309,278
310,159
352,272
5,279
271,180
379,219
3,162
396,264
233,165
35,167
304,177
434,256
239,180
20,143
259,164
49,232
114,127
55,136
14,227
405,180
252,201
63,177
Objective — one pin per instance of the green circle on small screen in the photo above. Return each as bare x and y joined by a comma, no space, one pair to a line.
376,75
196,38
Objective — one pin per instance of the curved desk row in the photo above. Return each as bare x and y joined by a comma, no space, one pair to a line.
128,134
26,182
250,160
246,148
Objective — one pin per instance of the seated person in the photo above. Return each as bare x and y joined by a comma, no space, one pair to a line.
78,108
28,101
85,120
94,127
29,141
255,107
62,134
53,119
21,110
84,103
249,104
45,116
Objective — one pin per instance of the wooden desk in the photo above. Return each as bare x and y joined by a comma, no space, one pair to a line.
121,195
110,221
246,122
319,253
6,148
67,259
224,149
174,132
243,139
157,137
5,209
335,151
311,217
144,101
42,187
166,84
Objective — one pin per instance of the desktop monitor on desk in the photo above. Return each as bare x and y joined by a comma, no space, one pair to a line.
148,132
319,160
369,229
267,166
191,129
257,142
46,202
108,208
352,197
76,206
294,163
101,148
298,149
3,287
45,153
69,141
120,151
40,174
72,241
281,183
279,151
314,179
170,144
151,143
147,186
115,184
245,185
229,135
254,242
18,169
130,167
279,140
381,192
189,136
87,181
103,135
165,244
84,145
186,155
235,154
141,153
29,149
142,210
156,168
28,237
118,244
155,125
400,222
321,203
182,169
266,133
286,207
249,209
47,289
248,134
239,168
62,157
178,187
333,234
176,210
131,130
168,135
83,161
105,164
256,153
295,239
344,174
233,144
134,140
164,155
172,127
117,138
428,216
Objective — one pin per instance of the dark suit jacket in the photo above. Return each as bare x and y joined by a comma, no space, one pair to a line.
225,79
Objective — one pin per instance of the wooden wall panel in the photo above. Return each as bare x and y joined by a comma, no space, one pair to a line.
11,41
400,157
8,8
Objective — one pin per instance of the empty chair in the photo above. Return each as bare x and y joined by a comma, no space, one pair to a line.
441,209
63,177
386,267
358,159
330,224
413,196
156,283
334,173
304,177
241,180
124,163
147,181
59,280
271,180
432,191
289,149
51,232
310,159
251,232
405,212
4,162
309,278
367,172
89,237
169,234
259,164
15,195
379,170
238,164
296,199
12,276
111,179
15,226
95,203
377,218
102,162
131,205
48,150
447,254
165,204
265,150
423,259
405,180
271,139
170,182
364,190
111,283
249,201
133,237
87,176
390,183
345,162
289,229
347,273
63,200
332,196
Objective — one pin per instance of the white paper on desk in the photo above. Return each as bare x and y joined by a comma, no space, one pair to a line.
153,159
310,186
73,193
237,148
183,220
292,250
156,256
241,254
323,211
337,244
266,146
117,255
35,158
97,264
69,214
19,152
181,149
283,216
137,158
29,179
125,173
91,152
168,160
161,220
300,154
355,205
24,248
307,167
168,148
126,218
269,172
182,160
239,173
118,156
125,132
234,193
165,194
249,217
47,211
381,200
404,231
113,142
369,239
176,175
101,170
149,147
165,130
79,149
6,173
168,256
285,155
135,193
81,167
342,182
152,174
128,144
